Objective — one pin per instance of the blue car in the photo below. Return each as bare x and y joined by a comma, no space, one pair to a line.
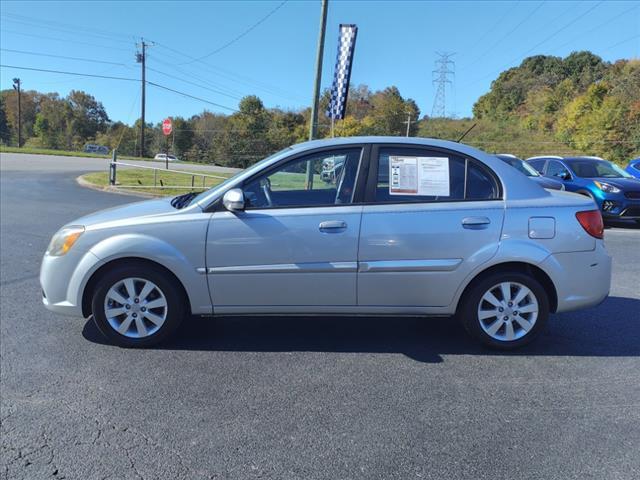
634,167
615,191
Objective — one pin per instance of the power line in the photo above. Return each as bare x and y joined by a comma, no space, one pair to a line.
191,96
507,34
621,42
235,39
72,31
120,78
40,54
199,78
597,27
78,74
235,77
495,25
91,29
45,37
193,83
564,27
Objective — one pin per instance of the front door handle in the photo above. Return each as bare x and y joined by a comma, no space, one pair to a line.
475,223
332,226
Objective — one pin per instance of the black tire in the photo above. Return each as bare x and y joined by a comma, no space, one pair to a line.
176,304
468,310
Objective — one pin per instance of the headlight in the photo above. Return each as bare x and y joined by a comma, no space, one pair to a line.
605,187
64,239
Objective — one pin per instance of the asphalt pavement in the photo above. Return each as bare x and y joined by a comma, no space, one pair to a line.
304,398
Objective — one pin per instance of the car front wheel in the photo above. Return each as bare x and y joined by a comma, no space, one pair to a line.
505,310
137,306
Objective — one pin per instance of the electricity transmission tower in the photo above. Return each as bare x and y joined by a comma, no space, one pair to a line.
444,68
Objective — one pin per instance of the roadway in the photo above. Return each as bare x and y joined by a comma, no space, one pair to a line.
308,398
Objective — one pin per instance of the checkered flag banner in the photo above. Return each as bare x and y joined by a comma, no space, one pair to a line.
342,74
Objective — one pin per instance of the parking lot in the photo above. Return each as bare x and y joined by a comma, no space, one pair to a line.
306,398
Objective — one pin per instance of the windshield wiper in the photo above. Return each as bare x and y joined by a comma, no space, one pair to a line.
183,200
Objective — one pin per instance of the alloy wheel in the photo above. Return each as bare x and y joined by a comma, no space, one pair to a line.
508,311
135,307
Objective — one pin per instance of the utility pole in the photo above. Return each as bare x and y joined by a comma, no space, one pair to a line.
313,124
16,86
440,79
408,122
141,58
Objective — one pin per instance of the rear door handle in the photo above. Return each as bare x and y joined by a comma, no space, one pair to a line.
332,226
475,223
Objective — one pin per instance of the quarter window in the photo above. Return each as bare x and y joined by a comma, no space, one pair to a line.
326,178
414,175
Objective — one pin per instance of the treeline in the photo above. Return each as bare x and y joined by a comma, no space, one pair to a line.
579,104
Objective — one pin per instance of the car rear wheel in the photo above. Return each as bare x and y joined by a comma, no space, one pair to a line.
137,306
505,310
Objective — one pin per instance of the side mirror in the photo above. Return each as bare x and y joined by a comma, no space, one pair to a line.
233,200
564,175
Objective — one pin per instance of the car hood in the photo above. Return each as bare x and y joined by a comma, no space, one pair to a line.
147,208
547,183
621,183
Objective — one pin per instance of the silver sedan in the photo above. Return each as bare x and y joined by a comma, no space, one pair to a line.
408,226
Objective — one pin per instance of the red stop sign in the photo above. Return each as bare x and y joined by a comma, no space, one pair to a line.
167,127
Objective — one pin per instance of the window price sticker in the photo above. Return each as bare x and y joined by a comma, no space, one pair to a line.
426,176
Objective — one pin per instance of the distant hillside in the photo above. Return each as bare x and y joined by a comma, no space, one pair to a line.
579,103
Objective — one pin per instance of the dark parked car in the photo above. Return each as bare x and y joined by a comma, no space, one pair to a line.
526,169
616,192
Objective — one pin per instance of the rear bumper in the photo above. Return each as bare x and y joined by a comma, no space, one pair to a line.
582,279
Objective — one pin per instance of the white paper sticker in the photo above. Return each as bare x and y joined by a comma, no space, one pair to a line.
403,175
425,176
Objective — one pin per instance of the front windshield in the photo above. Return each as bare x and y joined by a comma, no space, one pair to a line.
520,165
587,168
229,180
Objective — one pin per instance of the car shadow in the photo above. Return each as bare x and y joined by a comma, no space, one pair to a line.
610,330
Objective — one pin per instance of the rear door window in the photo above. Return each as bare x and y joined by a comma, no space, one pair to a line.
538,164
412,175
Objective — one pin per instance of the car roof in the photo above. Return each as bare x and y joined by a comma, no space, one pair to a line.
544,157
585,157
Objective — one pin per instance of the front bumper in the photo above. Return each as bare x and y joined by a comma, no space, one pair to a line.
63,279
620,207
582,279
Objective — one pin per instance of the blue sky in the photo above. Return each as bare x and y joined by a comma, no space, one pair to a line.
397,44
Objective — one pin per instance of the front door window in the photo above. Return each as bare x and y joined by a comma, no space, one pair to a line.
321,179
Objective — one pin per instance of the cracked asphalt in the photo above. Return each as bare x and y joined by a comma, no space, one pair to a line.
302,398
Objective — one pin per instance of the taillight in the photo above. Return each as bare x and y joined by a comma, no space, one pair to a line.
591,221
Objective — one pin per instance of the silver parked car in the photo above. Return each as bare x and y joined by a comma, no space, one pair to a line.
410,227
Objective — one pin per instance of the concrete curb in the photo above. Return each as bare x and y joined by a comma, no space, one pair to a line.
109,189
